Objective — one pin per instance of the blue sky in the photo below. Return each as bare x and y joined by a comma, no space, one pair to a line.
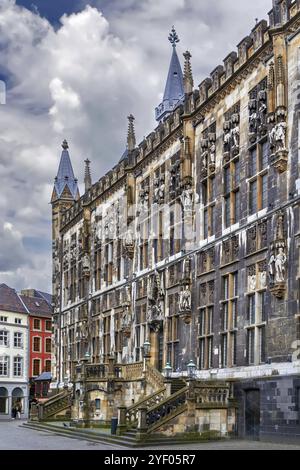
79,78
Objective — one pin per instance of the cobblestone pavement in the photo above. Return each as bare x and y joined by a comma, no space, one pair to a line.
14,437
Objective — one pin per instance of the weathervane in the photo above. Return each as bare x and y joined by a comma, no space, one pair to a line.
173,37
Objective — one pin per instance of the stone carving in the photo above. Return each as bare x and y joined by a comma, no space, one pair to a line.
231,129
187,199
155,301
185,300
159,190
258,111
208,150
277,136
251,278
126,315
174,178
86,264
278,259
128,243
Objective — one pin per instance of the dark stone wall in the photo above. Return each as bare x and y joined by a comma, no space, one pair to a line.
279,407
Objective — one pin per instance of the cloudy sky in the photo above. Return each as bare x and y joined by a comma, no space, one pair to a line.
75,70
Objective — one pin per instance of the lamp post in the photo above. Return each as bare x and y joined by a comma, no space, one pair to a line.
191,370
146,353
85,360
168,370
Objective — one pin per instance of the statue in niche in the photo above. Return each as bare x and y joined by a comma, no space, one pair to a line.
86,264
155,295
262,112
212,154
185,300
277,264
236,136
277,136
187,198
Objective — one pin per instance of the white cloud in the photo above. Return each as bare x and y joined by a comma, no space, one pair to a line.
80,82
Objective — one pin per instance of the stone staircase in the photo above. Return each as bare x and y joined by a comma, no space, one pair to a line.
55,405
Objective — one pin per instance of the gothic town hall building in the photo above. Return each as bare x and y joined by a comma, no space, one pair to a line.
176,275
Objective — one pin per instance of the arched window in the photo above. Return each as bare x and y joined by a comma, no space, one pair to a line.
3,400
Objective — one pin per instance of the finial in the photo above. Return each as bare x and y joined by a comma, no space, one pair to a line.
131,141
87,175
65,145
173,37
188,81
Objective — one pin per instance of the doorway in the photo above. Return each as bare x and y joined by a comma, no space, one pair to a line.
252,414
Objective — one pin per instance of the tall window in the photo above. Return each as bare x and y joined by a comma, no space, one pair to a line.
36,367
229,313
18,340
172,332
231,192
48,366
256,314
36,324
4,338
18,366
48,325
36,344
4,366
106,336
140,330
258,177
48,345
205,325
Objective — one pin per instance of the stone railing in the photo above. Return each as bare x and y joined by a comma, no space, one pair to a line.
154,377
128,417
54,405
132,371
211,396
166,410
96,371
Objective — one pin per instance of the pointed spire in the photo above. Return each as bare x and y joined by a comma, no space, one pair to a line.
188,74
131,141
65,184
174,91
87,175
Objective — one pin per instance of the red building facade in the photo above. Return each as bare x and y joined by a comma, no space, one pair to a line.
40,332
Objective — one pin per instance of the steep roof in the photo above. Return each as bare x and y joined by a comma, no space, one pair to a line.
37,306
10,300
65,182
174,89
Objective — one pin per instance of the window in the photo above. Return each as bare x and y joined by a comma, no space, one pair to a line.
4,338
3,319
256,313
231,192
4,366
205,322
48,366
36,324
36,367
48,345
18,366
36,344
229,316
97,404
48,325
18,321
18,337
258,177
140,331
173,332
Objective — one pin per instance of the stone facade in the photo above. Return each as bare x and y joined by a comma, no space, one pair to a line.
191,241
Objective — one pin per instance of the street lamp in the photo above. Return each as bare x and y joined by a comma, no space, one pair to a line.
66,380
168,370
191,368
87,357
147,348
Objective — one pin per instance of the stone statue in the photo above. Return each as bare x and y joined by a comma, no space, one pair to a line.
86,265
280,131
280,261
253,121
227,140
185,300
213,153
262,113
236,136
187,199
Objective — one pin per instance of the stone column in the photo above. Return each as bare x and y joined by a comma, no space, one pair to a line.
121,419
142,423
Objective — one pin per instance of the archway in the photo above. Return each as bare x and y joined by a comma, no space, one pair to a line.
18,399
3,400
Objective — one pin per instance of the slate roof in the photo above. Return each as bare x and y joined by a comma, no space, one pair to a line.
174,90
65,178
37,306
10,300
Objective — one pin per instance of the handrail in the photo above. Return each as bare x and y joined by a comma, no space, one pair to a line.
56,398
147,398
